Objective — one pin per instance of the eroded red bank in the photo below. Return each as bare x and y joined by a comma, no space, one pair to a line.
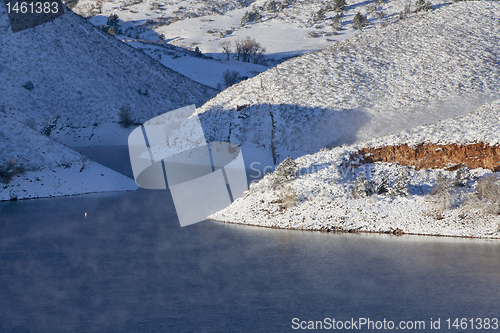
431,156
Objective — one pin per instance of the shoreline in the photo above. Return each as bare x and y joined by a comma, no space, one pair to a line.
337,230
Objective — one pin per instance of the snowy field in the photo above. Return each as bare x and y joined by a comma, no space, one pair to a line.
325,194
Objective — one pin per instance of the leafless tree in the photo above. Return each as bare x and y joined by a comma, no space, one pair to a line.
226,47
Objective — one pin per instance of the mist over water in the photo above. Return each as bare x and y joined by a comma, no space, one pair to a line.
129,267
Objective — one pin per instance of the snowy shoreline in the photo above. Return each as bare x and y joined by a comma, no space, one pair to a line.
395,233
57,182
332,190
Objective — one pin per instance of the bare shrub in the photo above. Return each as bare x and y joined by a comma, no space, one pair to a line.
314,34
29,85
230,77
155,7
125,117
9,169
289,196
442,192
47,129
362,187
488,191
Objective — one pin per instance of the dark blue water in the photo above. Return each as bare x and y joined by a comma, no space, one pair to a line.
129,267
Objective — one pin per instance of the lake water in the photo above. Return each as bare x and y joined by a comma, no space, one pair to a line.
128,267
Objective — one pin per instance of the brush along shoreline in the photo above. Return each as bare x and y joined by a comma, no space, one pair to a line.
338,230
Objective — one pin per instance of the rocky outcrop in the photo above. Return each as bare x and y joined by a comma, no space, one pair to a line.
432,156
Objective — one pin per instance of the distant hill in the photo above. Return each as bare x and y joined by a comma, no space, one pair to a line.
70,70
432,66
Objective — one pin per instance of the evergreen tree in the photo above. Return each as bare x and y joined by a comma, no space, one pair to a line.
337,21
462,176
360,21
320,15
197,52
339,5
285,171
251,16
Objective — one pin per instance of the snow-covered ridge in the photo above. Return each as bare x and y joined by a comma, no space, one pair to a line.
70,70
330,193
429,67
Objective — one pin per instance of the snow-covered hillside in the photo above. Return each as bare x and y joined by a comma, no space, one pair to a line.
69,80
329,194
71,71
51,169
285,28
432,66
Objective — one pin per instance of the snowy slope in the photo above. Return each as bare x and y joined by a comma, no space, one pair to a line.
432,66
52,169
69,69
205,70
284,28
321,195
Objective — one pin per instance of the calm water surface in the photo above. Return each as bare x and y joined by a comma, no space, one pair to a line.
129,267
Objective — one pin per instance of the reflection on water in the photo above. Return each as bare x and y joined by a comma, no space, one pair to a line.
128,266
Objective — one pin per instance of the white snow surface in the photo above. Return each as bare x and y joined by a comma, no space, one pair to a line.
432,66
324,182
52,169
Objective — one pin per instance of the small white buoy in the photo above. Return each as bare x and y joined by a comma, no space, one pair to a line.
85,214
